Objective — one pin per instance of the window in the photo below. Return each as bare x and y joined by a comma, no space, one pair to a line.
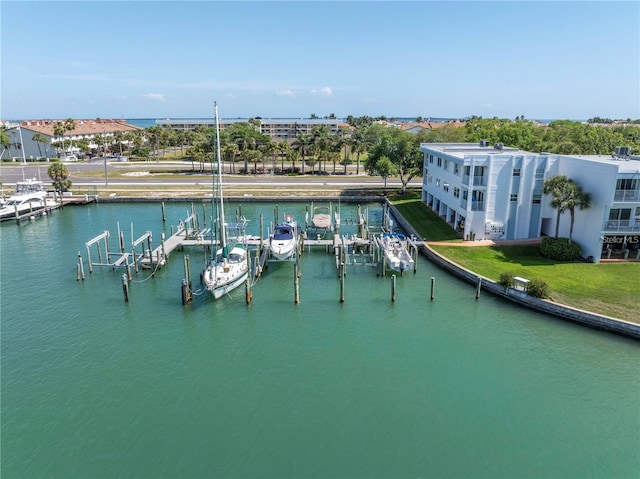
430,158
439,161
456,169
516,172
539,173
513,198
537,199
456,192
445,186
446,165
437,181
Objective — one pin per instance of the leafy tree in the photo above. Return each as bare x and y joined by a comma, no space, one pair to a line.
4,138
59,174
384,168
403,150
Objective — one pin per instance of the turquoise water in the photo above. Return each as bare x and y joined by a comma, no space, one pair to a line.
456,387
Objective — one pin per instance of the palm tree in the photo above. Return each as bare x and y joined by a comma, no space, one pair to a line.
358,145
321,143
302,145
59,131
69,125
283,149
576,197
557,186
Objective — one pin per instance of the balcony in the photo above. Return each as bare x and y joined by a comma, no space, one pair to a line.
627,195
477,206
627,226
477,180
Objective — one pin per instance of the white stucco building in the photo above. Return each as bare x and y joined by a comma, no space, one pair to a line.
495,192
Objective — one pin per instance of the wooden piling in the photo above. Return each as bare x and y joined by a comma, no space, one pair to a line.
185,292
433,287
247,284
478,287
164,250
81,266
296,283
393,287
342,276
125,288
164,218
261,231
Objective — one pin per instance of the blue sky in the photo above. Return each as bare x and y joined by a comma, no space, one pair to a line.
164,59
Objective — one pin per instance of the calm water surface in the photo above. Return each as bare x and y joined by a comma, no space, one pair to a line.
93,387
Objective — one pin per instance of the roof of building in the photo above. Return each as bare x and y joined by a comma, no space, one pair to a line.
83,127
629,164
429,125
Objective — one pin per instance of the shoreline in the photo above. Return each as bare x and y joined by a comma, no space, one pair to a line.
561,311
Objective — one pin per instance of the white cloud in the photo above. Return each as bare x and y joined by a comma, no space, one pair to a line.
285,93
154,96
326,91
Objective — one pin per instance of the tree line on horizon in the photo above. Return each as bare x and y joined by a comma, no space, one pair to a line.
381,148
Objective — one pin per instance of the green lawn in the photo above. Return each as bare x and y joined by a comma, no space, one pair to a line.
605,288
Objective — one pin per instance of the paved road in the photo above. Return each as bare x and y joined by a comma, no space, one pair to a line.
142,175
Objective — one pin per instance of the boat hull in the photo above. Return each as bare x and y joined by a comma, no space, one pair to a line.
282,250
225,274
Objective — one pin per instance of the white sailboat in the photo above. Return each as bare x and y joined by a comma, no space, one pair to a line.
284,239
228,269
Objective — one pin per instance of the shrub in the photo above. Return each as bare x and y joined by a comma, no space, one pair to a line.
506,279
560,249
538,289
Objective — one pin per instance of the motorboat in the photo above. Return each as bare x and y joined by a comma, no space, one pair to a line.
229,268
396,253
29,196
283,241
321,218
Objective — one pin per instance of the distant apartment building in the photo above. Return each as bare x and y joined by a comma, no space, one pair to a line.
23,146
276,129
496,192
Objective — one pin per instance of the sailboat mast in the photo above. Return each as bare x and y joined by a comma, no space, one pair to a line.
223,233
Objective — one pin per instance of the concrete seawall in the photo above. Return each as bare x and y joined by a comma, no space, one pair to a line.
587,318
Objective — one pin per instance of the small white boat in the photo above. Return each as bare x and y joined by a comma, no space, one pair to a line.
283,241
29,196
229,268
321,218
396,254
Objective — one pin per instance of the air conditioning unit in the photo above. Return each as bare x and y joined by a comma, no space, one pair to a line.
484,143
498,146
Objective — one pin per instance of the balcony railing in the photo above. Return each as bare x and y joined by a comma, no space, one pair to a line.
622,225
477,180
477,206
627,195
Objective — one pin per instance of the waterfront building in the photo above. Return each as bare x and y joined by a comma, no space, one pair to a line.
280,129
23,146
496,192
